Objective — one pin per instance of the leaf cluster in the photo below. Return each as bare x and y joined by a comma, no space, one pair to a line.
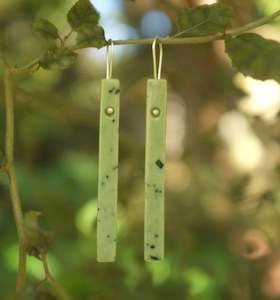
84,21
250,53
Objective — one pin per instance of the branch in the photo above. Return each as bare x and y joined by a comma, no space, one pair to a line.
13,187
175,40
58,289
254,25
29,68
203,39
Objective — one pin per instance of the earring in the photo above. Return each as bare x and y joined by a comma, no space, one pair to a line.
108,164
155,161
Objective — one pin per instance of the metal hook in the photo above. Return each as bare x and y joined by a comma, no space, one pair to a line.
109,59
157,73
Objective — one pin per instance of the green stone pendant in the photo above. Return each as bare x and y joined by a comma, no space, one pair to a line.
155,169
108,170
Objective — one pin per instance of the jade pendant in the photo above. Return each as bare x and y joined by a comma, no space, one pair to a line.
108,170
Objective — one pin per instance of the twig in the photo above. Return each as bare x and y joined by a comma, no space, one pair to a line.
25,69
203,39
13,187
58,289
67,36
168,40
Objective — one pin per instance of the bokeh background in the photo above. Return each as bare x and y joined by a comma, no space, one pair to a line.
223,160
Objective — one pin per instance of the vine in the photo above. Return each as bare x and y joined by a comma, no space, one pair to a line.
211,24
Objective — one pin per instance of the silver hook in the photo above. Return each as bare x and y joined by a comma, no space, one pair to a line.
157,73
109,59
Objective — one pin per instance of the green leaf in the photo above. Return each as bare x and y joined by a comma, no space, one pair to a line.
81,13
91,37
205,19
58,58
255,56
46,30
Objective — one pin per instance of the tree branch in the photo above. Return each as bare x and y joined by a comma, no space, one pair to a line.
58,289
203,39
13,187
169,40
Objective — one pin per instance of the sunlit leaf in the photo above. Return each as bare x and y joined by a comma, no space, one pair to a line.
205,19
47,31
91,37
255,56
58,58
81,13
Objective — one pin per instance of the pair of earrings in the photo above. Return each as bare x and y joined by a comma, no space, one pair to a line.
154,163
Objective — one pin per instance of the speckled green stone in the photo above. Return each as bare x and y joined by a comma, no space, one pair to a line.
155,169
108,170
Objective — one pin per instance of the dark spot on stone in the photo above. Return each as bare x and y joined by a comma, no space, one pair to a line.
152,246
117,91
147,244
115,168
154,257
158,191
98,209
156,235
102,183
107,176
108,236
111,90
159,163
113,120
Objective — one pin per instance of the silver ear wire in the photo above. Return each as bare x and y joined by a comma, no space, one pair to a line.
109,59
157,71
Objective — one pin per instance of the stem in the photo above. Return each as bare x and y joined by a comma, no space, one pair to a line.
58,289
175,40
68,35
25,69
254,24
21,275
204,39
13,187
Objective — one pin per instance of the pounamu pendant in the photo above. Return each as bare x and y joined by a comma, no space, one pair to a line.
155,169
108,170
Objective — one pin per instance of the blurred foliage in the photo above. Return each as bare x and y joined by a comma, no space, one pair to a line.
211,204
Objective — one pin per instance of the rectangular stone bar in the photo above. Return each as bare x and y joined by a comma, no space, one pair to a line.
155,169
108,170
